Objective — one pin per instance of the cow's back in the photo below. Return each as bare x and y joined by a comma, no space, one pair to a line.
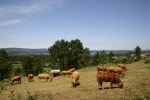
106,77
75,76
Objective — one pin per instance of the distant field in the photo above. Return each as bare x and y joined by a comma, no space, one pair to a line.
136,84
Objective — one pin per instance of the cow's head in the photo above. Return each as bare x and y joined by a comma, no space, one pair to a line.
120,84
74,84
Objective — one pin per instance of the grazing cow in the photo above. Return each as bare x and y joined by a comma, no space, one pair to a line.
45,76
108,77
102,68
68,72
72,69
118,70
30,77
122,66
54,74
75,78
15,78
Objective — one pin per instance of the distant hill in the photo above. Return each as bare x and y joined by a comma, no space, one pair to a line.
114,51
117,51
45,51
26,50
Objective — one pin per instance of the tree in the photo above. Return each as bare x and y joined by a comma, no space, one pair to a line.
103,57
76,49
68,54
5,64
96,59
32,64
59,52
111,55
137,52
27,64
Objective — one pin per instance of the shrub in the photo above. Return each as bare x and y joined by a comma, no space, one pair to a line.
118,60
147,61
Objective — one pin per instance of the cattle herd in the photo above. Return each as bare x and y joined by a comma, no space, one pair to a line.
110,75
104,74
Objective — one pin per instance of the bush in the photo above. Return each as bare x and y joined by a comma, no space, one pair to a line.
118,60
147,61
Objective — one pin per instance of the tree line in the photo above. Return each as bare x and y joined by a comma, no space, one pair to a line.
63,55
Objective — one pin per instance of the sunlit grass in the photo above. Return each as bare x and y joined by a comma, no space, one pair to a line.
136,84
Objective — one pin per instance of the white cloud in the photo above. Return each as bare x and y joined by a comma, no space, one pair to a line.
9,22
28,8
35,7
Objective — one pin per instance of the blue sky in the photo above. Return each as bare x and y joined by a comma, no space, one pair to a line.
99,24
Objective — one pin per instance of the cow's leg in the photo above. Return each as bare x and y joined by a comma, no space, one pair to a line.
111,84
20,80
101,84
45,79
122,74
98,85
77,80
119,74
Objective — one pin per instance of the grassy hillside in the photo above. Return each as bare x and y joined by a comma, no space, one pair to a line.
136,84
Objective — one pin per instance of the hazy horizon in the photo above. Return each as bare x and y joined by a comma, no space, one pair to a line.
98,24
90,50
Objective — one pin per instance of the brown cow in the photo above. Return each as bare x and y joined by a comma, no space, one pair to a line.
15,78
75,78
72,69
123,66
108,77
118,70
68,72
102,68
30,77
45,76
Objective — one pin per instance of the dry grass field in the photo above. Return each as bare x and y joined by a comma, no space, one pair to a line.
136,84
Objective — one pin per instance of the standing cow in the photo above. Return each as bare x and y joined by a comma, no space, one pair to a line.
15,78
123,66
102,68
45,76
75,78
108,77
118,70
30,77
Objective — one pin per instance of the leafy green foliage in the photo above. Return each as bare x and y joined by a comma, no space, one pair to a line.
137,52
147,61
118,60
32,65
103,57
96,59
5,64
68,54
110,57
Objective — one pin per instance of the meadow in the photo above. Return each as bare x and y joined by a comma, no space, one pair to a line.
136,86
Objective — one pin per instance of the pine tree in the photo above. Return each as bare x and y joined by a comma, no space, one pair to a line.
137,53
